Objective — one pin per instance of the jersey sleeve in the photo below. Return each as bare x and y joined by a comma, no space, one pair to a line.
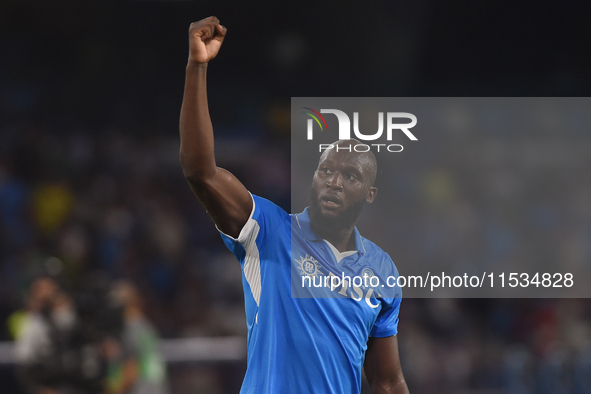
386,323
263,221
265,218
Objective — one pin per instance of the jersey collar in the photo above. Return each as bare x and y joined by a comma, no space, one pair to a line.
303,222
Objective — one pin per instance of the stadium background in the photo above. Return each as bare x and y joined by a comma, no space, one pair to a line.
90,94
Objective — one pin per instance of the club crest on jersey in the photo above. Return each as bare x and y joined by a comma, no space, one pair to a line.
367,272
308,266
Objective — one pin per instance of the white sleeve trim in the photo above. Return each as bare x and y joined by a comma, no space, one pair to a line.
244,230
252,263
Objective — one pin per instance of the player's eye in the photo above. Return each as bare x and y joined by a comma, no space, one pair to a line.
325,170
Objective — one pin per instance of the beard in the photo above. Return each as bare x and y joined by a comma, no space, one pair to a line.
329,227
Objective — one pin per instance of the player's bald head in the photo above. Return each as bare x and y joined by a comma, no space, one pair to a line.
367,160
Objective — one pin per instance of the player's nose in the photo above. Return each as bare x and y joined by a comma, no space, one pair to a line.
335,182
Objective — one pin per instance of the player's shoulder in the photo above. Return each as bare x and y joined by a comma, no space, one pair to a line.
265,219
375,252
382,265
267,211
267,205
371,247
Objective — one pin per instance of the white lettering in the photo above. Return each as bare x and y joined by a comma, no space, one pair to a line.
365,276
396,151
319,281
332,283
310,129
369,137
357,290
403,127
344,123
355,148
355,283
345,126
368,297
371,281
378,145
343,291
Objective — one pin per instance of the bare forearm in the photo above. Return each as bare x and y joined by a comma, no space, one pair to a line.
226,199
196,130
382,366
399,387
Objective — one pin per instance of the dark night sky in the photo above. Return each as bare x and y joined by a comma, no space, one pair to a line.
72,62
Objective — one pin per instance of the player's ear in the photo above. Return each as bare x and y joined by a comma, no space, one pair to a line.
371,194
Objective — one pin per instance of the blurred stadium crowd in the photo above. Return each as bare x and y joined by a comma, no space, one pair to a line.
118,203
90,179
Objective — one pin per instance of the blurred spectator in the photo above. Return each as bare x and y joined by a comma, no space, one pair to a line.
51,354
89,172
135,364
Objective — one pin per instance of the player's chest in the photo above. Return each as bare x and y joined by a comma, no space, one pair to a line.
316,272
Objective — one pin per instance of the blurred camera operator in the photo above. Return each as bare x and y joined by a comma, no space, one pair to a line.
63,344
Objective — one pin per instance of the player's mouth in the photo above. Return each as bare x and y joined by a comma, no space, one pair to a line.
330,201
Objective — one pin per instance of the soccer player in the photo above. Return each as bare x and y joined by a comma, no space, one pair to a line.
296,345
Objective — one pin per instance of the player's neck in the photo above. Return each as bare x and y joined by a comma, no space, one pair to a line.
342,241
338,232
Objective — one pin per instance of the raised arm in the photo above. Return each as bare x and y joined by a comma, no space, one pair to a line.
382,366
225,198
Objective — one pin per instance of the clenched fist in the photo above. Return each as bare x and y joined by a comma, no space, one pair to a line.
205,39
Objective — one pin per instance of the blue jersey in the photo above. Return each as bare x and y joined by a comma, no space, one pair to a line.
312,344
